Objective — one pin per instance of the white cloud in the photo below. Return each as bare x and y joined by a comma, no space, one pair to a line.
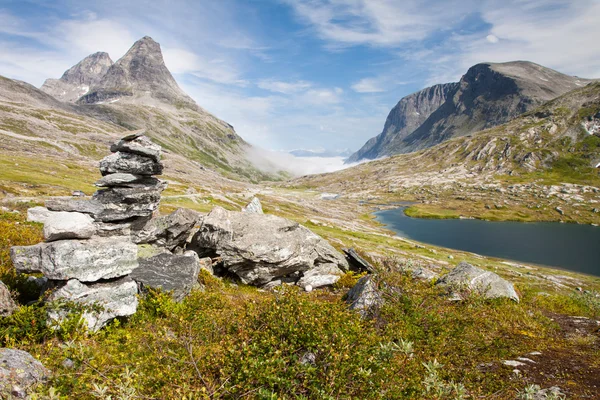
368,85
284,87
492,38
182,61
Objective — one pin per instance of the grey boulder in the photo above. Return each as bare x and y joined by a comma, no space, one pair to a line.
170,230
168,272
38,214
323,275
262,248
253,207
140,145
7,304
19,372
85,260
129,164
486,283
68,225
106,300
365,297
125,203
91,207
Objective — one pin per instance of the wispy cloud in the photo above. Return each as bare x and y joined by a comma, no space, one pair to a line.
284,87
368,85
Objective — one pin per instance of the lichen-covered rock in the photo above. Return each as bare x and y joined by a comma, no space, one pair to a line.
38,214
486,283
125,203
68,225
86,260
173,273
7,304
91,207
365,297
129,164
262,248
253,207
19,372
106,300
170,230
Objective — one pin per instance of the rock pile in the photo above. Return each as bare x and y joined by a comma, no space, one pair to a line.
88,253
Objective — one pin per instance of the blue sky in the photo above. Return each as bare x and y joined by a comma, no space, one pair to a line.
303,73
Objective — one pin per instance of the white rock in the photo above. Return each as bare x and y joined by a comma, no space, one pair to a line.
38,214
68,225
253,207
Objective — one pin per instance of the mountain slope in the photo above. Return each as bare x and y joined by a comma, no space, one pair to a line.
486,96
77,80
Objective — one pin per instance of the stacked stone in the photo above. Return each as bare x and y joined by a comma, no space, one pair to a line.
88,253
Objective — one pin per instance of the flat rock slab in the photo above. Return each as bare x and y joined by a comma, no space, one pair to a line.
140,145
130,164
262,248
91,207
120,204
126,180
19,371
114,299
68,225
7,304
170,230
173,273
486,283
38,214
85,260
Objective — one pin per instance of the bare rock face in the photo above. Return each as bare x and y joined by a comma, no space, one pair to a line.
7,304
488,284
115,299
19,372
487,95
365,297
68,225
78,80
262,248
173,273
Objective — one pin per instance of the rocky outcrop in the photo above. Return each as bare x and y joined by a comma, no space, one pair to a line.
89,251
168,231
177,274
365,297
77,80
487,95
19,373
253,207
467,278
263,248
7,304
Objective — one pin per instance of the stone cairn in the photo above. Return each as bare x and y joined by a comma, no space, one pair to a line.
89,250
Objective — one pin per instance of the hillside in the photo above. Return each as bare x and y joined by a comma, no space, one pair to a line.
486,96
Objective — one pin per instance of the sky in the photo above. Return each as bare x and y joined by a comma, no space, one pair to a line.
303,74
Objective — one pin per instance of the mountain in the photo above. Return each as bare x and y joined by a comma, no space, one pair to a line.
139,92
487,95
77,80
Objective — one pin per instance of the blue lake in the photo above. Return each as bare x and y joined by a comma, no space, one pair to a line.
566,246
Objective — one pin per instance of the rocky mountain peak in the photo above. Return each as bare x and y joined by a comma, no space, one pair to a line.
141,72
77,80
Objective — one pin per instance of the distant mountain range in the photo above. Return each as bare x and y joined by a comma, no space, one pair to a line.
321,153
136,92
488,95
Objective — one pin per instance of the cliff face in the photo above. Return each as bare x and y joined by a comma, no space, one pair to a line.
410,113
487,95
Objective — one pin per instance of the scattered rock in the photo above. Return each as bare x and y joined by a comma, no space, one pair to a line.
7,304
168,272
68,225
308,358
38,214
77,193
262,248
365,297
116,299
424,274
19,372
253,207
486,283
513,363
559,210
357,262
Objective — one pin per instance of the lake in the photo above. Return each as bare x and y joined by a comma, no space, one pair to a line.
566,246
